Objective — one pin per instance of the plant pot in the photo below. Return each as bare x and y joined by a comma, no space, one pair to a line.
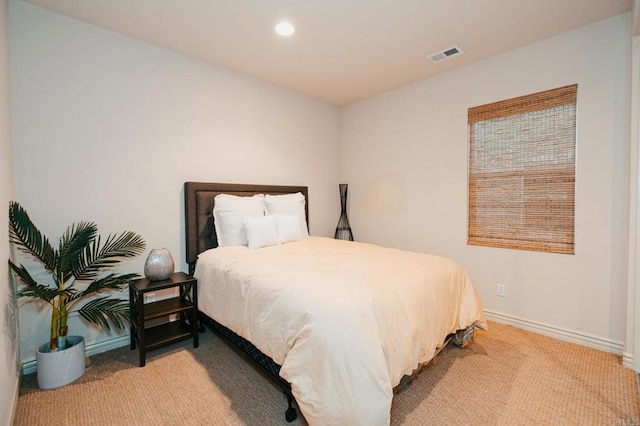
59,368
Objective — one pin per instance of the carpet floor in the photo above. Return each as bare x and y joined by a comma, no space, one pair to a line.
508,376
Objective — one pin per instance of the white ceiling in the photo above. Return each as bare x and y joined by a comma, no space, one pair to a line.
342,51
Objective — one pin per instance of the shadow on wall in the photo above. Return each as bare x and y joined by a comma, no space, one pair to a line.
11,319
384,195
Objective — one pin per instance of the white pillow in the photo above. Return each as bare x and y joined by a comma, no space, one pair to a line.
287,227
288,204
228,212
261,231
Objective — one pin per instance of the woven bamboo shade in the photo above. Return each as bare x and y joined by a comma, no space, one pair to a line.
522,172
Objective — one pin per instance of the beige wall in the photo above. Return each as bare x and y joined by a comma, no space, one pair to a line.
404,155
9,364
107,128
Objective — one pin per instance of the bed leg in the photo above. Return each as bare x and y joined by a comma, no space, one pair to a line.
463,337
291,414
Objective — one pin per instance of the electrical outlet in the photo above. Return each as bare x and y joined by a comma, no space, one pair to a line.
150,297
500,290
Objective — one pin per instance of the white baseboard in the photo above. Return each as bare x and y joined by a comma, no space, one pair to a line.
29,367
11,413
572,336
606,345
627,360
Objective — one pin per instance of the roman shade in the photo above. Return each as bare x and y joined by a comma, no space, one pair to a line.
522,172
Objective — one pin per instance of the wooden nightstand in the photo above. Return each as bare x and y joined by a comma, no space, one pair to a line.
184,305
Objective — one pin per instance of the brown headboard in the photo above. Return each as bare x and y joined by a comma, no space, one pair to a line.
199,199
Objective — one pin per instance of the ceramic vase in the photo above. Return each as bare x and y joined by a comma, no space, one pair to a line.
159,265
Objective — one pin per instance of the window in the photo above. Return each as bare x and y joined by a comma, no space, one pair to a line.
522,172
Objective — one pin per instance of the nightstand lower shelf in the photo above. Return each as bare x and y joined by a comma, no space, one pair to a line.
165,334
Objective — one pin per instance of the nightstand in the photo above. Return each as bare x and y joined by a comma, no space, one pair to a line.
184,306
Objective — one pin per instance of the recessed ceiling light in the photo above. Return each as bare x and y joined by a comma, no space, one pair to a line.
285,28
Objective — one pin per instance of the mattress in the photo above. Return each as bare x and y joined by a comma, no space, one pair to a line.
345,320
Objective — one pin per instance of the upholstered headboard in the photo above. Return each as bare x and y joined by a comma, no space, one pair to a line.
199,199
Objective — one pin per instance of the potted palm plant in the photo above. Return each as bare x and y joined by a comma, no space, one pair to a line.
76,272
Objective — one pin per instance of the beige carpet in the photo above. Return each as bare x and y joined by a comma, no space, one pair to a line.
506,377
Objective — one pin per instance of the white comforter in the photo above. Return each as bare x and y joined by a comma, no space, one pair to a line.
344,320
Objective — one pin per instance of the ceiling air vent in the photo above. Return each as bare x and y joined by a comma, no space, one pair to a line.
445,54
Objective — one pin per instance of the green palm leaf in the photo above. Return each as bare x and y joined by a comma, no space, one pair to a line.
117,247
31,287
24,234
73,243
108,282
106,312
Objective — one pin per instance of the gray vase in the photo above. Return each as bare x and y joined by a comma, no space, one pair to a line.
159,265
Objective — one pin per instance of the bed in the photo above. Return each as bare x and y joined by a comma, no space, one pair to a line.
337,324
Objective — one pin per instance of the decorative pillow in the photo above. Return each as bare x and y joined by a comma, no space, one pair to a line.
287,227
288,204
261,231
228,212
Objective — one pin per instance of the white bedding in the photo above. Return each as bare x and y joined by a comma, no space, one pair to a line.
344,320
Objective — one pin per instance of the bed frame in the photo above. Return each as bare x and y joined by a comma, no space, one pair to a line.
201,236
199,200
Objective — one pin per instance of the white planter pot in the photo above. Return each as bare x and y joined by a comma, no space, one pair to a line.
59,368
